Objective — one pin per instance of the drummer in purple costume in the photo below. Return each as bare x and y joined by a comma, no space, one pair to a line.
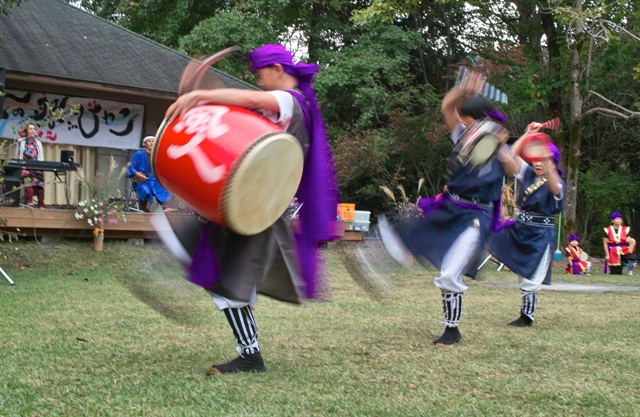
527,246
275,262
460,220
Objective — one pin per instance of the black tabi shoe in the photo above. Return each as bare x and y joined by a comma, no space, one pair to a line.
449,336
522,321
248,363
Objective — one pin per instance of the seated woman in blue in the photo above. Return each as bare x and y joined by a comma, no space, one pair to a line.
527,247
144,182
455,225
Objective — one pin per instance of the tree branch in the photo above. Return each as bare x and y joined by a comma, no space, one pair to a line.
605,112
611,102
615,25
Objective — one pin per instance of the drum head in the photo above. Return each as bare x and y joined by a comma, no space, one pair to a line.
484,149
479,143
535,146
263,183
584,256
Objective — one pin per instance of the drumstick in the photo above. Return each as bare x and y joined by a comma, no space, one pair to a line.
553,124
487,91
194,71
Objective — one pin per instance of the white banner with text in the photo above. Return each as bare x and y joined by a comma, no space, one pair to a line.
99,123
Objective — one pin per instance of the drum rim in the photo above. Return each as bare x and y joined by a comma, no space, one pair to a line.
154,149
491,129
231,178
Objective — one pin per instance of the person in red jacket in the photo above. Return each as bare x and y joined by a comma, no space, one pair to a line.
619,247
576,265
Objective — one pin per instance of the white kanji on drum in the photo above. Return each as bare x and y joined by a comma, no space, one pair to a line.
203,122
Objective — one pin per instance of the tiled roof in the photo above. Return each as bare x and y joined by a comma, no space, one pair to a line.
51,38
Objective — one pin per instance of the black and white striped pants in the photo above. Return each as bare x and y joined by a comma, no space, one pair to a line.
452,308
244,329
529,302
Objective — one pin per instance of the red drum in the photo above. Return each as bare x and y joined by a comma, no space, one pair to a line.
535,147
230,165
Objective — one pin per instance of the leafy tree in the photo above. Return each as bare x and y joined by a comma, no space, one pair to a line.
7,5
385,64
164,21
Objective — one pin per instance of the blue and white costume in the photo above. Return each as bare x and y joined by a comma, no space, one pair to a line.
527,246
455,226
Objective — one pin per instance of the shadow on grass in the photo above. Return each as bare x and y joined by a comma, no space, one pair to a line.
371,267
160,285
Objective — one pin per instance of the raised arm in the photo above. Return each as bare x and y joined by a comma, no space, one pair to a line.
470,86
553,179
517,146
449,107
510,157
225,96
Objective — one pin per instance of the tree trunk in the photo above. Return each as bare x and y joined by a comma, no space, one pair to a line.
575,133
314,36
555,69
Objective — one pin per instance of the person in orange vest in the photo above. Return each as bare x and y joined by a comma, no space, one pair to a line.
576,265
619,247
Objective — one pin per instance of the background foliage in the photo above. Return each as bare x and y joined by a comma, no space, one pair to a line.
387,63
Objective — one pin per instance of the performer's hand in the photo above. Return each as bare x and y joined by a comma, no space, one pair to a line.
183,104
533,128
606,257
473,83
141,177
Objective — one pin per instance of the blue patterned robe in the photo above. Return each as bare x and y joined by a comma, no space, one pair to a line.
431,236
522,245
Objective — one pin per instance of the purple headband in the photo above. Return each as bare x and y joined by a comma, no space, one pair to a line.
555,157
496,116
271,54
573,236
615,215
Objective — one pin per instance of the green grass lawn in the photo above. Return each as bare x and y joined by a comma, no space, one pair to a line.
122,333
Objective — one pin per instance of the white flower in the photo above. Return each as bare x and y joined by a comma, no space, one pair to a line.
81,204
78,216
90,222
86,210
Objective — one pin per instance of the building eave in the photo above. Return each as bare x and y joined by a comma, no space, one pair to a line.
12,76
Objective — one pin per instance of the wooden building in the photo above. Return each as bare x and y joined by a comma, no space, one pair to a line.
123,82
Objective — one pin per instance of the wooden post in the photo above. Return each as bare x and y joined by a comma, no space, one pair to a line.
98,237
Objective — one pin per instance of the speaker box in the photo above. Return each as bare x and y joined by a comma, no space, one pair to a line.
12,199
66,156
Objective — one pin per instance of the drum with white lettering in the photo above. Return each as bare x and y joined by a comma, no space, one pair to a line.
231,165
